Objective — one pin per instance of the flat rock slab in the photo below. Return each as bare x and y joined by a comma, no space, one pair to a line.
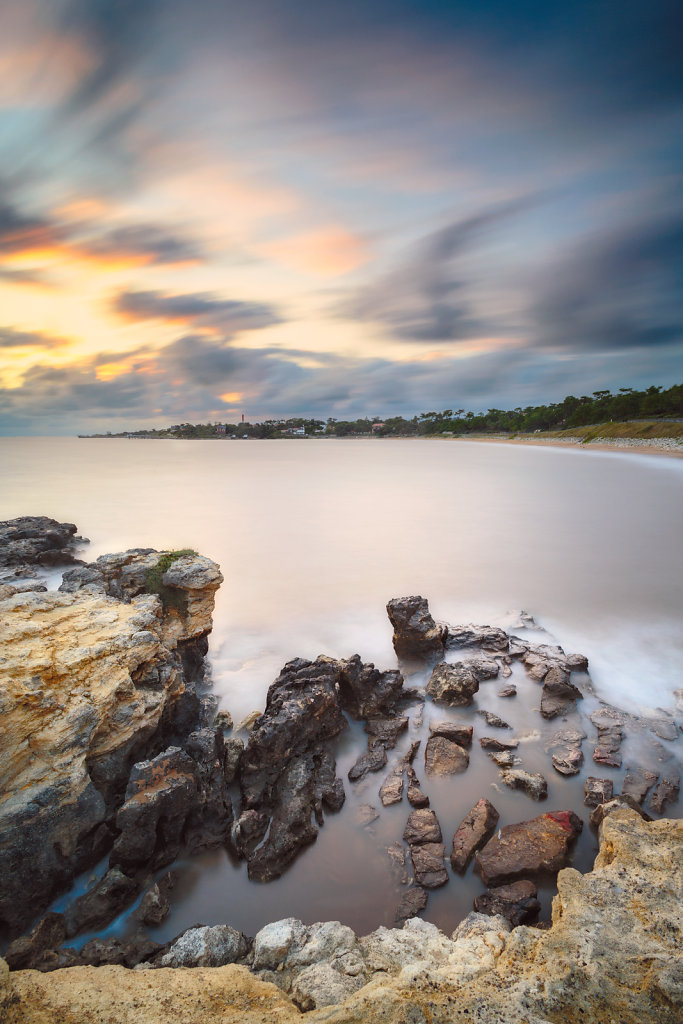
455,731
532,783
492,743
428,865
516,902
422,827
454,685
475,829
530,847
443,757
483,668
490,637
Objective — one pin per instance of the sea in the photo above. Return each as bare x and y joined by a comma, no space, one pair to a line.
314,536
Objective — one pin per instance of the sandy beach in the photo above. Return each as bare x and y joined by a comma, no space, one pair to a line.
658,446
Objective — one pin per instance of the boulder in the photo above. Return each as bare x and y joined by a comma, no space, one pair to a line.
637,782
454,685
455,731
101,904
322,985
154,905
25,953
617,803
371,760
666,792
540,845
248,722
576,662
391,790
206,947
490,637
386,730
422,827
483,668
609,724
475,829
559,696
275,941
233,749
597,791
125,952
428,865
532,783
365,692
36,540
515,902
443,757
417,637
223,720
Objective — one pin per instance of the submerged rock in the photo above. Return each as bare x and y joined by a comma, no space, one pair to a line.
27,952
416,635
666,792
493,743
454,685
493,720
475,829
101,904
609,724
413,901
371,760
529,847
637,782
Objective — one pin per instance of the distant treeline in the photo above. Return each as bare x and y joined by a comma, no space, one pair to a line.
600,407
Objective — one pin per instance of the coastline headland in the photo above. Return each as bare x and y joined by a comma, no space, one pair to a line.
112,751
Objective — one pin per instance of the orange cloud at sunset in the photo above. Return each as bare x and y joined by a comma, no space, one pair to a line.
328,251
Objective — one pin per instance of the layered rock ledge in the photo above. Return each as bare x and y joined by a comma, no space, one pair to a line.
612,953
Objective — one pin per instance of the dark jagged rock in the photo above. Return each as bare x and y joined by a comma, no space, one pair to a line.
475,829
371,760
516,902
489,637
666,792
36,540
364,691
416,798
599,813
160,797
124,952
428,865
443,757
233,748
493,743
637,782
454,731
386,730
417,637
559,696
154,905
101,904
26,952
454,684
532,783
540,845
422,827
208,824
413,901
56,959
597,791
493,720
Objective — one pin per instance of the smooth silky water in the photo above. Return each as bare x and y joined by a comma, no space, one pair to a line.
313,537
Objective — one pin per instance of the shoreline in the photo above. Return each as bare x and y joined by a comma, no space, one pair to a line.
633,446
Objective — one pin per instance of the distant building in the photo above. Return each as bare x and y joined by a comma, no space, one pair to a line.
221,428
377,426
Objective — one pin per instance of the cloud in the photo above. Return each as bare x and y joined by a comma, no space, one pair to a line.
429,296
146,242
328,251
11,338
615,291
201,310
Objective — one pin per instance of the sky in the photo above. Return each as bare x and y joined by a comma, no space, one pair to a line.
289,208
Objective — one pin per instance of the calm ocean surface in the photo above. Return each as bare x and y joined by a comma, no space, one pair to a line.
313,537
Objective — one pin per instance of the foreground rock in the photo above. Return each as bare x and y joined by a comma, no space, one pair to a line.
34,541
540,845
417,637
609,724
558,696
612,951
475,829
597,791
90,684
489,637
443,757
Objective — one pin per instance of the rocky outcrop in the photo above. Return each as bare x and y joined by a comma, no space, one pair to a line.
90,683
417,637
611,953
558,696
452,684
515,902
489,637
31,541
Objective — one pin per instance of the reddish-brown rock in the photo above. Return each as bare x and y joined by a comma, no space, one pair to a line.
529,847
428,865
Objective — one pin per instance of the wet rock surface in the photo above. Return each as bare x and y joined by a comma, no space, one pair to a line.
489,637
540,845
531,783
515,902
559,696
422,827
452,684
35,541
443,757
474,830
428,865
417,637
666,792
493,720
637,782
609,725
416,797
494,743
597,791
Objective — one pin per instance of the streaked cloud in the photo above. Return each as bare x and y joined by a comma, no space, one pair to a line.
198,310
11,338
